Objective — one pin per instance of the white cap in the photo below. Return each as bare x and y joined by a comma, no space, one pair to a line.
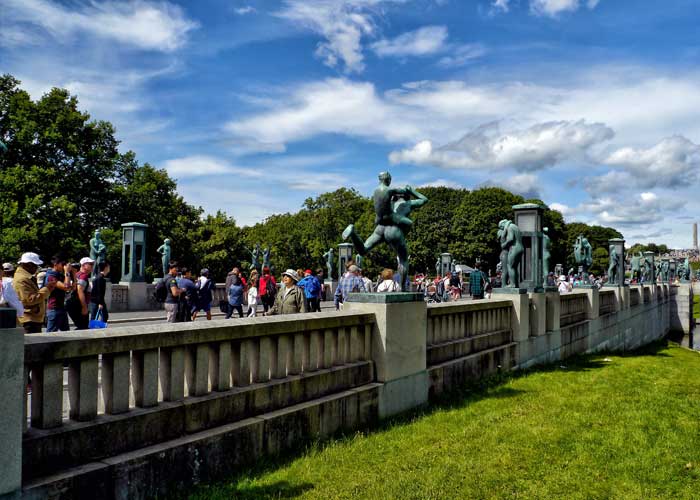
30,258
86,260
8,267
562,278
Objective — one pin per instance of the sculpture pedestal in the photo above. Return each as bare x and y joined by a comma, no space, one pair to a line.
331,287
398,347
138,295
510,291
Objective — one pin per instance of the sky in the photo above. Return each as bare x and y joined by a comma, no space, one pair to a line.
592,106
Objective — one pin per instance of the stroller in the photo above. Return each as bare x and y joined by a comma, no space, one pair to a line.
431,294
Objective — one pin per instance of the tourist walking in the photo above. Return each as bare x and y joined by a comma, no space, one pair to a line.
312,288
564,286
290,298
98,305
8,296
84,289
349,283
322,291
56,313
252,295
388,284
369,286
456,286
189,296
32,297
235,296
477,282
172,298
267,289
205,288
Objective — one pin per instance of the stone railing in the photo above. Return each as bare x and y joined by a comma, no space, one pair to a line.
635,297
127,388
218,294
573,308
459,329
607,302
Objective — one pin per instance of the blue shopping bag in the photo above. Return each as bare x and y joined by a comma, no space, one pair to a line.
97,322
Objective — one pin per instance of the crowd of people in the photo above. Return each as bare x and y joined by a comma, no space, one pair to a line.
62,291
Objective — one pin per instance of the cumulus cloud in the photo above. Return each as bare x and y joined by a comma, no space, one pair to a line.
673,162
423,41
552,8
342,23
645,208
501,5
540,146
242,11
146,25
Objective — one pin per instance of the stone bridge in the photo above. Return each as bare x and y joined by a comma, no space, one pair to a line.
137,412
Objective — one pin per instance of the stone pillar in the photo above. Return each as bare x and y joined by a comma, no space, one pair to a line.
528,217
553,311
12,387
538,312
593,302
399,340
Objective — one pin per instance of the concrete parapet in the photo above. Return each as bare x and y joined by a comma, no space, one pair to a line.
12,389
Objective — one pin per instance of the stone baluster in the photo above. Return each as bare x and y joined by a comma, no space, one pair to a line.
265,366
285,356
315,350
82,388
330,345
144,377
171,372
220,364
115,382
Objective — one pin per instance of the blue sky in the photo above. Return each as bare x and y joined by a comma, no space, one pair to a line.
253,106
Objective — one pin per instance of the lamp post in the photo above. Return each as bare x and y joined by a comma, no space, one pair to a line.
528,217
445,263
134,264
344,256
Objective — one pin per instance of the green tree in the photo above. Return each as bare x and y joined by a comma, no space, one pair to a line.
475,225
601,260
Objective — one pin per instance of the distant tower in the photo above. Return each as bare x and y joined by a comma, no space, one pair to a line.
695,235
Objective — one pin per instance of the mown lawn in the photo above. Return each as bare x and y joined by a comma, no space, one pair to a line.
696,306
619,427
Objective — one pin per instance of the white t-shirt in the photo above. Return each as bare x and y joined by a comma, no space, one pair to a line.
563,287
388,286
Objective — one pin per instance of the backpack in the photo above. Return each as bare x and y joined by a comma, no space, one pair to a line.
270,288
161,292
192,296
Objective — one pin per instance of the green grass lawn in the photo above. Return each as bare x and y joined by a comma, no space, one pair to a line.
696,306
619,427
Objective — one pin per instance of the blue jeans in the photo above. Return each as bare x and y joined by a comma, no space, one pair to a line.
57,320
92,311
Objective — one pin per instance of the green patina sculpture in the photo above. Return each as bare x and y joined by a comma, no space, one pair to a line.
648,271
583,254
164,250
329,262
546,253
665,268
98,252
266,257
391,208
614,274
685,275
254,257
512,249
636,264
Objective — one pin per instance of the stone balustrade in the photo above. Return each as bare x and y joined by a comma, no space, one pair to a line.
458,329
607,303
573,308
635,296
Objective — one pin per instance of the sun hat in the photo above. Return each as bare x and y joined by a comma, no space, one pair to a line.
30,258
292,274
8,267
562,278
86,260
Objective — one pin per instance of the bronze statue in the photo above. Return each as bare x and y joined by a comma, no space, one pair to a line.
546,253
98,252
614,267
164,250
512,244
266,257
583,254
391,208
329,262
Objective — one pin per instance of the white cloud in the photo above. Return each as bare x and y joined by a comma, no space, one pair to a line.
461,55
242,11
203,165
147,25
502,5
622,210
540,146
342,23
552,8
672,162
423,41
563,209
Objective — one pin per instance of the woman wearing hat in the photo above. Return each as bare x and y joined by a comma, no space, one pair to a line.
32,297
564,286
290,298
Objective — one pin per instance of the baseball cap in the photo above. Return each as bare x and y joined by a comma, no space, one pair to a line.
86,260
30,258
308,271
8,267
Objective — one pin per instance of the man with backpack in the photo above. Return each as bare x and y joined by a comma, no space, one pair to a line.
267,289
312,288
171,292
205,287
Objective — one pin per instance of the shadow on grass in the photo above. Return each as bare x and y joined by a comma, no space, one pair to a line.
280,489
492,386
